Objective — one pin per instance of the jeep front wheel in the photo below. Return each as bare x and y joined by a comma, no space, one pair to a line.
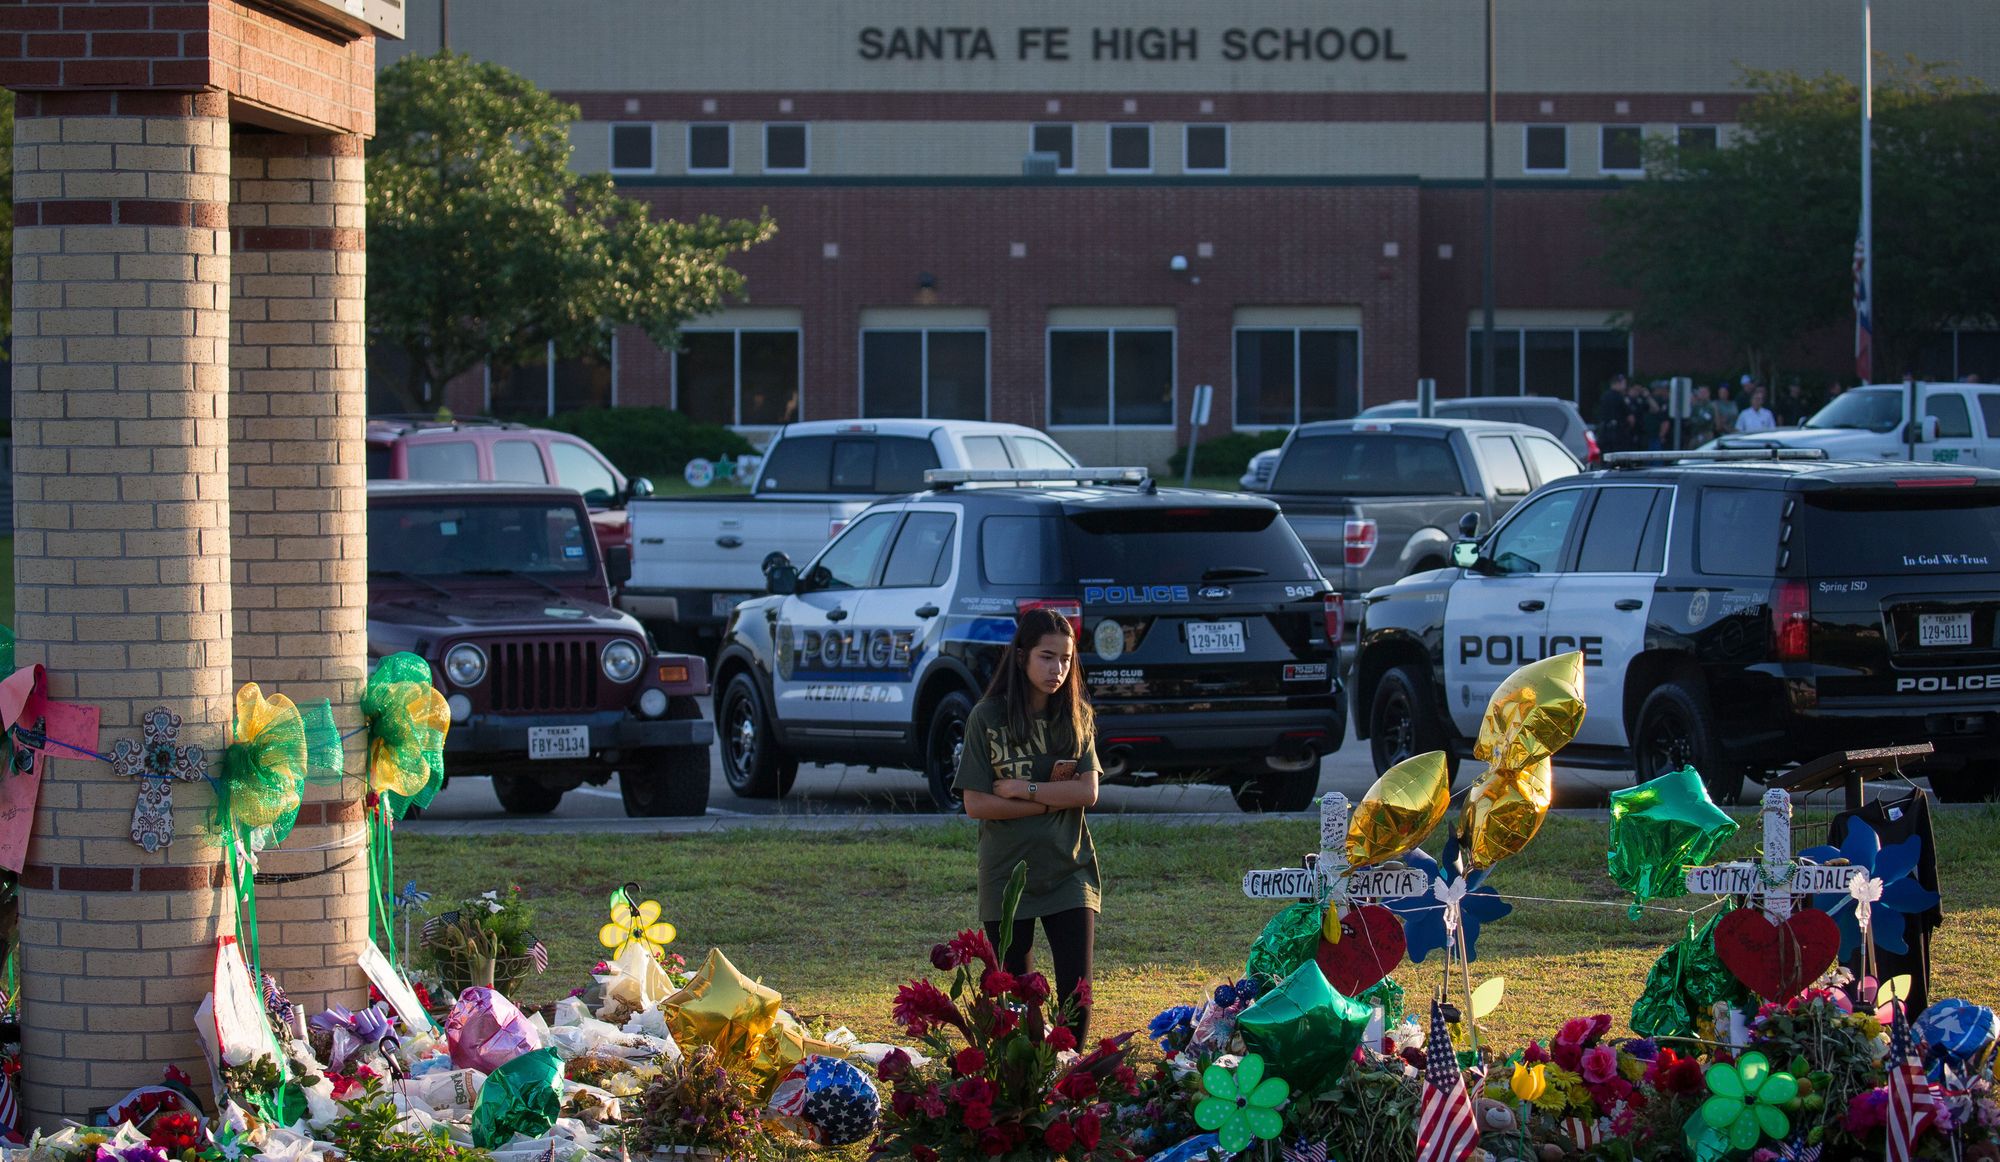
522,795
668,781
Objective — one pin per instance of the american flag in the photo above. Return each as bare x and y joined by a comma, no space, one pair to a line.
1912,1104
10,1110
1585,1132
1447,1131
1864,315
539,954
1306,1152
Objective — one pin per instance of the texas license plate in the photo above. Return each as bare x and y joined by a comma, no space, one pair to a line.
721,605
1215,637
1944,629
558,742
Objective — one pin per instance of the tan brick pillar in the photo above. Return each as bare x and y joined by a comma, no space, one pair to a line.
121,308
298,509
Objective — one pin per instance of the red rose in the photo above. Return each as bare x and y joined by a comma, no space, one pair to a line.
942,958
974,1091
1005,1021
968,1061
895,1066
1032,989
1089,1130
1534,1054
996,983
1059,1137
1061,1039
1078,1086
976,1117
993,1142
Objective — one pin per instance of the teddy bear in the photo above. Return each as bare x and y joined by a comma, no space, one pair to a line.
1499,1132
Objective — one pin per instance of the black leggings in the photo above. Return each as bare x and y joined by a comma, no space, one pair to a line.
1072,935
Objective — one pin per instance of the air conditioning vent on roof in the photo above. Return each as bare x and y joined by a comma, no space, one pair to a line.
1041,165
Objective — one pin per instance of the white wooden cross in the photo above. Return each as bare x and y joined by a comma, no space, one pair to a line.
1327,878
1770,882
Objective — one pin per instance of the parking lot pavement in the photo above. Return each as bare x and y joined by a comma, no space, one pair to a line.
824,794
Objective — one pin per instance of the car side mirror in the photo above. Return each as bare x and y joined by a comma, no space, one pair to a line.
1465,555
1928,432
639,488
780,575
618,565
1468,525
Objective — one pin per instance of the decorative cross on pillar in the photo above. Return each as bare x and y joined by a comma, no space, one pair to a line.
1327,879
157,763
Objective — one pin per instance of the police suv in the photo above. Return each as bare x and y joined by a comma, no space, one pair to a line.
1741,611
1207,638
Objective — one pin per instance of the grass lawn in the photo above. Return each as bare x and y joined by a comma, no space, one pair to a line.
836,922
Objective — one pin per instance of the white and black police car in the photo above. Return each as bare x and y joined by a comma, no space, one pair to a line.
1207,638
1740,611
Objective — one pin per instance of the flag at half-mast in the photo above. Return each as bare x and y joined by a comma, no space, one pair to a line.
1864,314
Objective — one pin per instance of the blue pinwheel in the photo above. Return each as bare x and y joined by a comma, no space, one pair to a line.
1423,916
1902,896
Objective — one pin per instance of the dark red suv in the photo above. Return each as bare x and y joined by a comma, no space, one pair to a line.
427,448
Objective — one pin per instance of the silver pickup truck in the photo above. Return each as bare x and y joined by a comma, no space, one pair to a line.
694,558
1377,500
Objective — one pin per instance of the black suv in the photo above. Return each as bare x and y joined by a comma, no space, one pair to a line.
1742,611
1207,637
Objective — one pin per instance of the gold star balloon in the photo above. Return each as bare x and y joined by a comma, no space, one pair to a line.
630,924
1398,811
1534,713
721,1007
1505,809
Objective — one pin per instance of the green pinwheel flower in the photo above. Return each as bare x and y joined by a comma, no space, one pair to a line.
1241,1105
1745,1099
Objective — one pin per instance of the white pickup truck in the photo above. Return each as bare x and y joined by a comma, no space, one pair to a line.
694,558
1960,425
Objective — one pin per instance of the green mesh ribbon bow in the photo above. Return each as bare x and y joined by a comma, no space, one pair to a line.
275,748
407,720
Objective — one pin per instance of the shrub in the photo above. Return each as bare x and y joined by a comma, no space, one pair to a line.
653,442
1230,453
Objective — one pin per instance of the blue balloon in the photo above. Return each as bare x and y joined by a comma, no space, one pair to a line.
840,1101
1194,1148
1953,1031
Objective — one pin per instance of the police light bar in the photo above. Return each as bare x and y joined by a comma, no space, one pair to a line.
949,477
1649,459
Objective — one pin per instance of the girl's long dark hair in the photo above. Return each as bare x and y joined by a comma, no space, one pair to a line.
1076,723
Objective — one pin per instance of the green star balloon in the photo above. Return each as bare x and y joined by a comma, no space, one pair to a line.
1659,829
1305,1028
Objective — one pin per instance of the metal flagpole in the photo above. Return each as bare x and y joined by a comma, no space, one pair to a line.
1486,354
1864,275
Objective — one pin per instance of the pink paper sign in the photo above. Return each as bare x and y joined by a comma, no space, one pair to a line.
60,726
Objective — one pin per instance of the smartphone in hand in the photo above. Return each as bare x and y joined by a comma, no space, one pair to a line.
1063,769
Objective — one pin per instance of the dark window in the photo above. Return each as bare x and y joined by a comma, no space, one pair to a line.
1738,532
1114,376
442,459
1548,148
519,391
881,464
955,376
738,377
769,362
1653,549
1620,148
1266,382
1369,464
1131,147
1329,374
1954,421
389,387
508,536
986,452
892,373
784,147
849,561
1601,356
1555,361
708,147
1912,531
919,556
1207,147
381,461
1142,389
1550,363
1296,375
583,383
1532,542
1057,139
1696,138
798,464
1181,545
928,374
632,147
1506,360
1019,550
1618,527
1079,377
577,468
1989,410
1504,469
518,460
705,376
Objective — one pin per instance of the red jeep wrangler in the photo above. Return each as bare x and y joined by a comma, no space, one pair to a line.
502,590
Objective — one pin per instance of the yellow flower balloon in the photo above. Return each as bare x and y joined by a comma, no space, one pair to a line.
641,924
1399,810
1529,1081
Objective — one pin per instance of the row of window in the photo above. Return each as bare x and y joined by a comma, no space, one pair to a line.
711,147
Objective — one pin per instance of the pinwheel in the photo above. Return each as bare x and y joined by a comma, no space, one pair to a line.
1424,916
641,924
1242,1104
1894,866
1745,1103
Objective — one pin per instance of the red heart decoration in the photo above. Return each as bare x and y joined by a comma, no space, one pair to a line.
1777,961
1371,946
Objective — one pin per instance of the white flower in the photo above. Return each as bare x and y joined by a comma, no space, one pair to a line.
492,899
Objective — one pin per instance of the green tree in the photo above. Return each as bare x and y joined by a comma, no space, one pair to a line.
484,246
1753,243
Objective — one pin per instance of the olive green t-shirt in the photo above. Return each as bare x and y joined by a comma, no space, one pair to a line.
1062,862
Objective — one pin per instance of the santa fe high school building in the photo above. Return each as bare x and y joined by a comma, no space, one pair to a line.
1069,215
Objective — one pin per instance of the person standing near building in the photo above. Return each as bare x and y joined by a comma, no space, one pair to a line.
1793,407
1028,772
1725,411
1756,417
1700,427
1614,418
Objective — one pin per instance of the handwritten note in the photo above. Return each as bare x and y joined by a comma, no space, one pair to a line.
70,724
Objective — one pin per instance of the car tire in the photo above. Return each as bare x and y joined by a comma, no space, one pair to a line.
1276,790
668,781
752,764
1403,720
1676,728
521,795
1971,783
944,743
